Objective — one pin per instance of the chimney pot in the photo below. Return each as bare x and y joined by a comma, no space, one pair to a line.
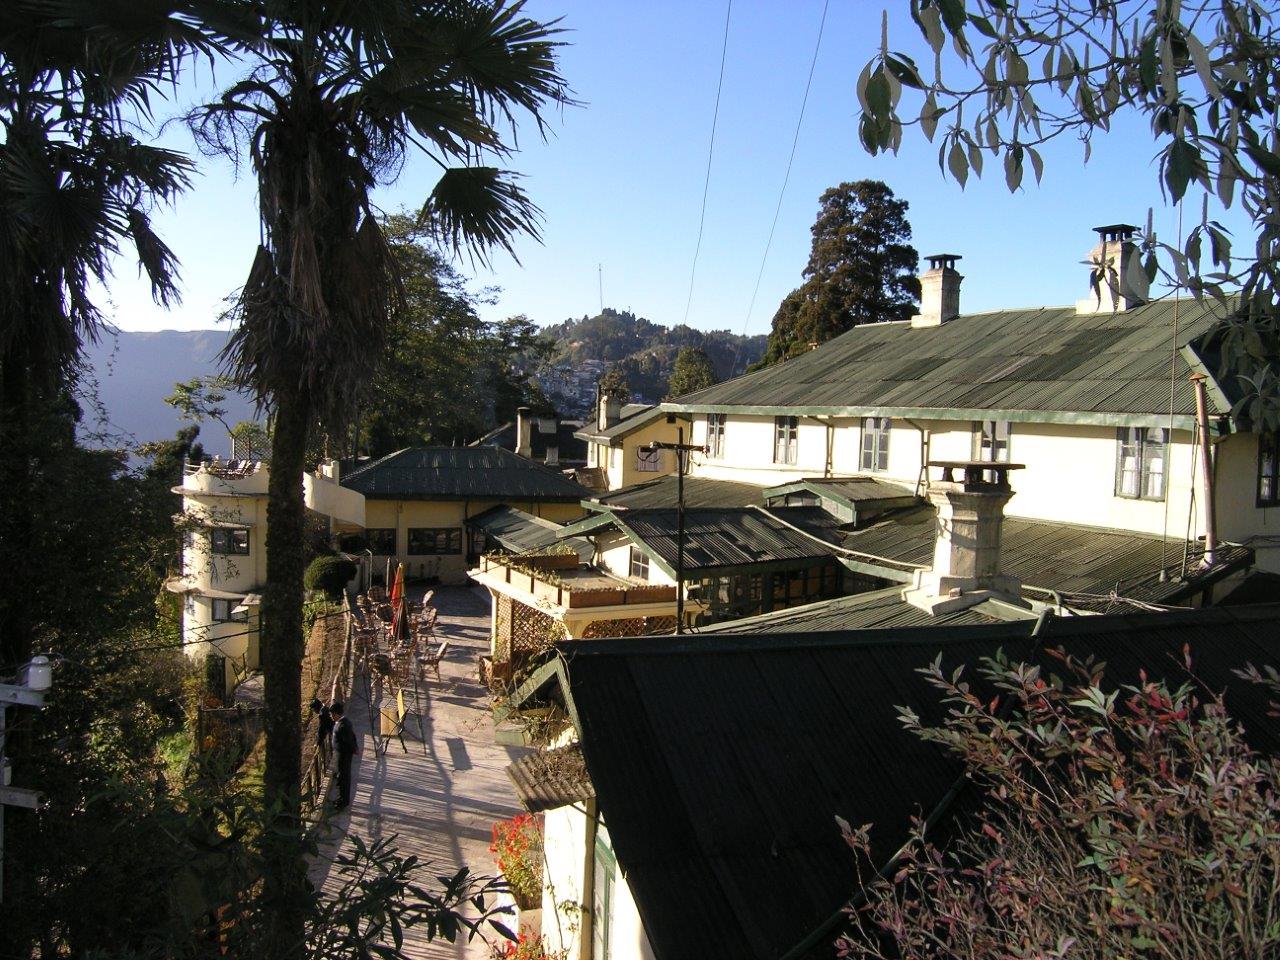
939,291
1115,265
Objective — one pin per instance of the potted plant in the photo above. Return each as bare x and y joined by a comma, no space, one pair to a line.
517,850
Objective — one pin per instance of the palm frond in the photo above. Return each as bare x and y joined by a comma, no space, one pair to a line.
480,209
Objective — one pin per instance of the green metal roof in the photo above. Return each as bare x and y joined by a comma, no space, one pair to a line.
626,425
1048,364
522,532
460,473
698,492
864,611
1068,558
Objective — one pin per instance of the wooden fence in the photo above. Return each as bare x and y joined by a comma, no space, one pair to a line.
315,776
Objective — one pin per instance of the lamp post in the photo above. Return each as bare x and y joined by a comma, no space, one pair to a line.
682,449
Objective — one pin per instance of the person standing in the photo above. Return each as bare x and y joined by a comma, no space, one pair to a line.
345,748
324,725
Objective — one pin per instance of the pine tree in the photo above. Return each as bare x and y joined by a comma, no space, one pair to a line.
692,371
861,270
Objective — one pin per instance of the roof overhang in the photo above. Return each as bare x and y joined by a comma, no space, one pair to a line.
1074,417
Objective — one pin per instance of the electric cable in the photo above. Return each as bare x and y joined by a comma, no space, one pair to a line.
711,148
786,179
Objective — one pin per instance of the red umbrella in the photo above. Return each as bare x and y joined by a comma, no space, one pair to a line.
399,609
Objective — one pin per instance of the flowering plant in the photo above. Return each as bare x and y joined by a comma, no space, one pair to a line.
517,849
529,948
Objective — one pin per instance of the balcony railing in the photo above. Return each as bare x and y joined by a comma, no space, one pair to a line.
562,579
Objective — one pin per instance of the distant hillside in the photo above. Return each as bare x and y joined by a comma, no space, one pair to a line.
136,371
645,350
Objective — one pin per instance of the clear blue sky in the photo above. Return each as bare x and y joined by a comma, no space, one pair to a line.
620,179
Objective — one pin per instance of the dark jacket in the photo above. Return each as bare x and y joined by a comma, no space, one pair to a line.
344,737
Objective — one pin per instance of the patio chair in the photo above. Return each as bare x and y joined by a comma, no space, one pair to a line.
431,661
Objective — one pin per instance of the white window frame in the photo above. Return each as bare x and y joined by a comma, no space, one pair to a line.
786,440
715,435
874,457
221,610
638,564
1142,455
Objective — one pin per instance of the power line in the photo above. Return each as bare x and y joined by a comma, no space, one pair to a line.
786,179
711,149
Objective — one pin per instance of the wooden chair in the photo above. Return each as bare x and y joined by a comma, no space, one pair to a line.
431,660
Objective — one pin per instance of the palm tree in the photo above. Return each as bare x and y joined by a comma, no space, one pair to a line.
336,97
76,186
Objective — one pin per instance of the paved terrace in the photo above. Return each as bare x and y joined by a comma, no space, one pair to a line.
440,797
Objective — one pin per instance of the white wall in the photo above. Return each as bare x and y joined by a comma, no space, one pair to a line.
566,892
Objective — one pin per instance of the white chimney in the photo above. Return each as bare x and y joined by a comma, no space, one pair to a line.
1116,276
966,550
524,432
939,291
608,408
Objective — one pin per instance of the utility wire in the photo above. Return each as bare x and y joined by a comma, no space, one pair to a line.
711,149
786,179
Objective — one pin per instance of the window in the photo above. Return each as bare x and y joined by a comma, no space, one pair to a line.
715,436
223,611
784,439
228,541
602,897
434,541
875,444
648,461
1268,453
991,441
1140,458
639,567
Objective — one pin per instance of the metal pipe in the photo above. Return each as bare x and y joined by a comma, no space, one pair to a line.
679,530
1206,468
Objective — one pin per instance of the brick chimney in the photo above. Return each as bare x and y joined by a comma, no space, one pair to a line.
939,291
524,432
966,551
1115,269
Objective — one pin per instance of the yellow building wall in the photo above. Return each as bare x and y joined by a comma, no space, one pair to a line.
404,515
622,470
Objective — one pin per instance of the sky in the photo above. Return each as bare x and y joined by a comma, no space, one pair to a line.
620,178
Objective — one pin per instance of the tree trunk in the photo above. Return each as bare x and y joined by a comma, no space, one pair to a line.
15,508
282,649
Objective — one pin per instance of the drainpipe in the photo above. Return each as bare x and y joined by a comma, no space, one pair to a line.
1206,468
925,439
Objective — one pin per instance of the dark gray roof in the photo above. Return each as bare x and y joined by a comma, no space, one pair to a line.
718,539
865,611
571,450
698,492
1056,556
460,473
551,778
851,489
1041,364
522,532
721,763
626,425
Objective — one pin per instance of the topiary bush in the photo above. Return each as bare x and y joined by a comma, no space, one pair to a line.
329,574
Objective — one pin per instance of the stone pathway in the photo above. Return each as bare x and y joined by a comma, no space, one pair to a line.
441,797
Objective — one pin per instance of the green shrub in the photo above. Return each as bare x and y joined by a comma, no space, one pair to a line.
329,574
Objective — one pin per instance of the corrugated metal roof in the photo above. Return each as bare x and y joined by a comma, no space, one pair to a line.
551,778
627,424
1022,362
721,763
460,473
698,492
1056,556
522,532
570,448
720,538
864,611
